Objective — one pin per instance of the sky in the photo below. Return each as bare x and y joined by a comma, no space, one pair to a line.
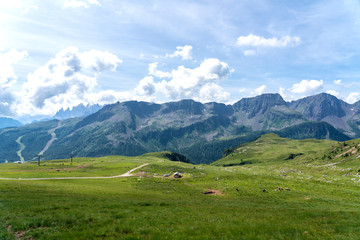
62,53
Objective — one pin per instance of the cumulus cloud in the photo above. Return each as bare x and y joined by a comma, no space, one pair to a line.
186,82
146,87
7,73
260,90
334,93
338,82
108,96
6,101
353,97
257,41
213,92
282,92
184,52
64,81
307,86
199,83
8,78
80,3
153,70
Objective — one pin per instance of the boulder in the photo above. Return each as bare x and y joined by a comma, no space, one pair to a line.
177,175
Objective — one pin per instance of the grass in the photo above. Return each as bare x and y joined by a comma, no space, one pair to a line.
323,202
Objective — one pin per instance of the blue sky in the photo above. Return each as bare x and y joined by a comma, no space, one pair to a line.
61,53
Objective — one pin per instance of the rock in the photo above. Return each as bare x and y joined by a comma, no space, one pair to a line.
167,175
177,175
287,189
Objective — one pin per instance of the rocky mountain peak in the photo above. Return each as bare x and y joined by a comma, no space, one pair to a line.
259,104
319,106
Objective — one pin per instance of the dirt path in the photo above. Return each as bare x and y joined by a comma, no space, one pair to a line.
127,174
53,138
22,147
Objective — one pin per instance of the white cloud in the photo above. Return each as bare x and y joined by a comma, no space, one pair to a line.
213,92
108,96
282,92
353,97
307,86
153,70
184,52
80,3
186,82
260,90
286,95
6,101
7,73
334,93
198,83
257,41
242,90
64,81
249,52
338,82
7,79
146,87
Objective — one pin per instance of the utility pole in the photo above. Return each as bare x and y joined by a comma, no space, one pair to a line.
71,156
39,156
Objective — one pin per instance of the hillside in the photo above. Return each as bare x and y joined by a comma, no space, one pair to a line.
282,195
199,131
270,150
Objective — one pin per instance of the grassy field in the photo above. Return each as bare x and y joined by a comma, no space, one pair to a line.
312,195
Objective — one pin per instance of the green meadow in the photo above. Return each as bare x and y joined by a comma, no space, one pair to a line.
272,188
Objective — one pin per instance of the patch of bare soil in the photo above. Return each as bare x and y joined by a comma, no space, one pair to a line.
18,235
213,192
79,167
344,153
143,174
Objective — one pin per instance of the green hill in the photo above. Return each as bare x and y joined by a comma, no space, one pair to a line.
294,189
271,148
199,131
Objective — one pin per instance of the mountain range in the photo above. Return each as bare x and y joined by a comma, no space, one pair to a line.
199,131
9,122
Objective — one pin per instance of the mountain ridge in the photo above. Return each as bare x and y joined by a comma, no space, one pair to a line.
133,128
9,122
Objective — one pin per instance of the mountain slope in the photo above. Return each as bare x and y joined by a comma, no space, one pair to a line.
327,108
271,148
266,112
199,131
9,122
